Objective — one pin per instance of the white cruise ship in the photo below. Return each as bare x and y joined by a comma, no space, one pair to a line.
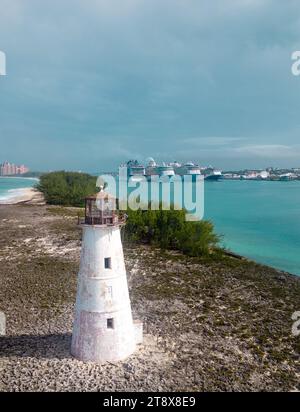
188,168
212,174
166,170
135,169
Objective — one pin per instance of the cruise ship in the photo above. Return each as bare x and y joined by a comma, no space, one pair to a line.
151,168
188,168
135,169
212,174
166,170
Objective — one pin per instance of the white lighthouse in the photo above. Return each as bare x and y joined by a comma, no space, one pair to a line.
103,327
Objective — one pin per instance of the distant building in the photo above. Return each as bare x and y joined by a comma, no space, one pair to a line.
256,175
10,169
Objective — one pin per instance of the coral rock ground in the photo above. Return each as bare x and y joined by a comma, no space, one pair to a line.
209,325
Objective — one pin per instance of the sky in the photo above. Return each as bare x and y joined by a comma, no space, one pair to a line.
91,84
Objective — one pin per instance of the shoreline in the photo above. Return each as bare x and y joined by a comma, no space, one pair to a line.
231,254
23,195
32,196
19,177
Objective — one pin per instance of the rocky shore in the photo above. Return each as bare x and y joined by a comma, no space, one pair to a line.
210,325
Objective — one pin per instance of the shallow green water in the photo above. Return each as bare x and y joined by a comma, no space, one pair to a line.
260,220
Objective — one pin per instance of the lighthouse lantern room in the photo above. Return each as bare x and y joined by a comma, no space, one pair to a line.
100,209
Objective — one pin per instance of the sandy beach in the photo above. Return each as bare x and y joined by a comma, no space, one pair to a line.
25,195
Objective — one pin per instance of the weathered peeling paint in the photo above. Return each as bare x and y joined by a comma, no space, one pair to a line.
102,294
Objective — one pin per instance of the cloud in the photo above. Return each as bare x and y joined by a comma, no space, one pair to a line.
275,151
211,141
149,76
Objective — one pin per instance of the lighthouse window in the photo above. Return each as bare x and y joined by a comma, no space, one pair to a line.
110,323
107,263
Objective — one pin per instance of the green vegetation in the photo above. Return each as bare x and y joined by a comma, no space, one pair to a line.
66,188
168,229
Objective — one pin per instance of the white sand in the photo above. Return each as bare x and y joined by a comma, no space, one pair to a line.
28,194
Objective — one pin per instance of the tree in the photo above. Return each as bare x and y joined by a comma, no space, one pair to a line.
168,229
67,188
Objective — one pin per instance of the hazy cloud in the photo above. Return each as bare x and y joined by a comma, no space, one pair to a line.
91,83
270,151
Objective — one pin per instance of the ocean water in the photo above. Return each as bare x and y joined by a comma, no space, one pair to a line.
260,220
257,219
10,186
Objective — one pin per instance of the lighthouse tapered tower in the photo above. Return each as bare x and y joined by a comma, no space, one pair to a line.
103,327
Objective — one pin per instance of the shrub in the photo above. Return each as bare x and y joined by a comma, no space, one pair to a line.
66,188
168,229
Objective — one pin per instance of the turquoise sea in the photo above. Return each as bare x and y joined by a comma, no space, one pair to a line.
10,186
260,220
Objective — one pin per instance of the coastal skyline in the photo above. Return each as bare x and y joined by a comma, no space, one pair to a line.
11,169
109,82
8,168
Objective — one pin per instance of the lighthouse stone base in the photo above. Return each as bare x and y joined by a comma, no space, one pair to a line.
92,343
